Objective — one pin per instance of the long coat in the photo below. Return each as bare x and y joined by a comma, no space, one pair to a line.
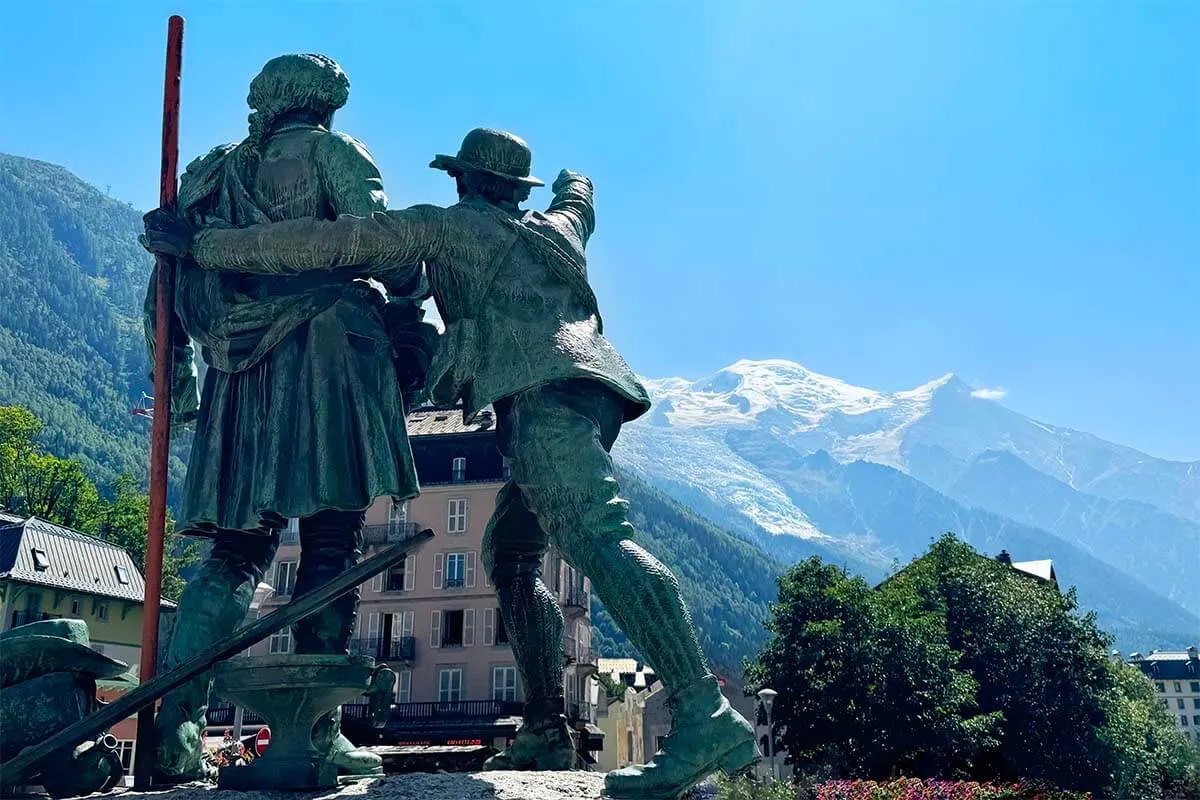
512,288
301,409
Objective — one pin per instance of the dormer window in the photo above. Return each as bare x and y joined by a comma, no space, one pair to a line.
122,574
41,561
458,470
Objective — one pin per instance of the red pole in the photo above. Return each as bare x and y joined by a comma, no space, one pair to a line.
160,436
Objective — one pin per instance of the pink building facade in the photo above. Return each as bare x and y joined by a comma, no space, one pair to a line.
434,618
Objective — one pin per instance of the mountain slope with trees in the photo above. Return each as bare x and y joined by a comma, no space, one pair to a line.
71,344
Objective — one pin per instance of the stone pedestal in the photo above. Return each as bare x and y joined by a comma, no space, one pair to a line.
289,692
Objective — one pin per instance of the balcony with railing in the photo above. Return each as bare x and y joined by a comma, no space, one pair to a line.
288,536
400,648
419,715
221,716
575,601
454,582
392,533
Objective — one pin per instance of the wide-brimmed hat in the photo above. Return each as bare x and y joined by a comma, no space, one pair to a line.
496,153
54,645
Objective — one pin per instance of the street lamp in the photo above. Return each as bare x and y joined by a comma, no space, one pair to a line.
767,697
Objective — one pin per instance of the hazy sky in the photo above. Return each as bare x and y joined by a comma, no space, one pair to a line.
881,191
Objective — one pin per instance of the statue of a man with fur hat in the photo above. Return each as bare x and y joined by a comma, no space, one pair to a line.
302,412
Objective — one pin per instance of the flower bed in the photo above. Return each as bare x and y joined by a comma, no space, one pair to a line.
916,789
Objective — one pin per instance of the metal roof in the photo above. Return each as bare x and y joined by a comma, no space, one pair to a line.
443,420
1039,569
1168,665
41,553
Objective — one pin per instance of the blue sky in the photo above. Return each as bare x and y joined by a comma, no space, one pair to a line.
883,192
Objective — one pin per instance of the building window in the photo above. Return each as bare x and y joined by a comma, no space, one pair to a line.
456,570
75,608
1196,703
456,516
285,578
1178,687
1180,704
404,685
450,684
395,578
1183,720
41,561
504,683
458,470
501,633
452,628
1196,719
101,611
398,513
1195,687
281,641
1166,704
1160,686
122,574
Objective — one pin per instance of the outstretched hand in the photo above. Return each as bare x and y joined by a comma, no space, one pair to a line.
166,233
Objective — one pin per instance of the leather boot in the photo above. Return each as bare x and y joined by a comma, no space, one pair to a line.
332,743
543,742
706,735
213,604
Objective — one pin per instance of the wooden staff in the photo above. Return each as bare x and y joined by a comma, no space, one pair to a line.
160,435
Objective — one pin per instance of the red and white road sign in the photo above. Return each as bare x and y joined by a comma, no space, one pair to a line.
262,740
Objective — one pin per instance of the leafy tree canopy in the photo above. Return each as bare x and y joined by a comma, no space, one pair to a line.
959,666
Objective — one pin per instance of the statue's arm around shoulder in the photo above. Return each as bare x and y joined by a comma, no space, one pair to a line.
573,203
196,186
352,182
389,245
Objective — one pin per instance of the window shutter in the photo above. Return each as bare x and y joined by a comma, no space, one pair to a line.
469,627
410,573
377,583
439,565
373,625
470,573
450,516
487,582
489,626
406,623
403,685
435,629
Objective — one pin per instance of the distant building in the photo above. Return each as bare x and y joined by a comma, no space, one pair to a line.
1176,676
50,572
434,617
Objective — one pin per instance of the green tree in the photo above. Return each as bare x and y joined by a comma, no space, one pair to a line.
124,524
866,684
960,665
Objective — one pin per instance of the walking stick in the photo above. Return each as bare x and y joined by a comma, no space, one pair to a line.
160,432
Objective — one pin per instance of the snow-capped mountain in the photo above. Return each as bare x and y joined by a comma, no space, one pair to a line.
768,443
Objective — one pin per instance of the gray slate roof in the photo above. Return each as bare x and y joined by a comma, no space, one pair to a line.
77,562
442,421
1166,665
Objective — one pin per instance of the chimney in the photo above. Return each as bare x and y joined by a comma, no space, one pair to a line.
1004,557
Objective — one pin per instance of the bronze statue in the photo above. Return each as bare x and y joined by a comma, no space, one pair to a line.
302,412
523,333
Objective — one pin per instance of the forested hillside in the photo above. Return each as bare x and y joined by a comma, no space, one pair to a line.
727,582
71,342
